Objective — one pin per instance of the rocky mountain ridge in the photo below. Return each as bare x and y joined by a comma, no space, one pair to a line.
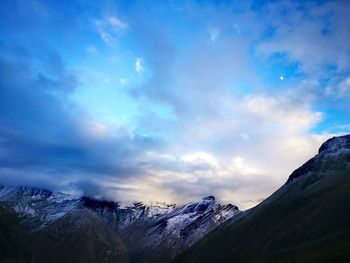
156,230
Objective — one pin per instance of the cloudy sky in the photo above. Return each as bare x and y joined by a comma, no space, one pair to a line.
169,100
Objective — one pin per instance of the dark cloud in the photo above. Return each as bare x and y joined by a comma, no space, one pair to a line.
88,188
40,134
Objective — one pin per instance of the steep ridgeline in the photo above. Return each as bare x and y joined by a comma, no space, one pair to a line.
306,220
108,230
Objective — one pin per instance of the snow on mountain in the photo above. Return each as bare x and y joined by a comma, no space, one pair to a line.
121,215
335,146
164,223
38,207
186,224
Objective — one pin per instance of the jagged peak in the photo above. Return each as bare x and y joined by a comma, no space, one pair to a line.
204,204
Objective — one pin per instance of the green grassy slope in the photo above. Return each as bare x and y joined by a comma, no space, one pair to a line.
307,220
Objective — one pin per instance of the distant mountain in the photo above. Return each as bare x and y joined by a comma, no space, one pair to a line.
61,226
306,220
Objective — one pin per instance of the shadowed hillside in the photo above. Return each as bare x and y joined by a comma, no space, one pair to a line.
14,241
79,237
306,220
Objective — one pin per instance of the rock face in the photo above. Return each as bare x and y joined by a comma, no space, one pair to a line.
306,220
136,232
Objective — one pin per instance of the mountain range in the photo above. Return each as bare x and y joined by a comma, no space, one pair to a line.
61,226
306,220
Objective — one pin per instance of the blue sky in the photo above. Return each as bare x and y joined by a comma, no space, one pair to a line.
169,100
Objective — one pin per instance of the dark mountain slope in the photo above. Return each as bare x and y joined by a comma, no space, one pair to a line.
79,237
306,220
14,242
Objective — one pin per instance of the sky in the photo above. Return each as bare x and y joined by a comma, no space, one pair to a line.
169,100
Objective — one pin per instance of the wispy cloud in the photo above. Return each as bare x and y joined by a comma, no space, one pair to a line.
138,65
110,29
214,34
344,88
117,23
92,49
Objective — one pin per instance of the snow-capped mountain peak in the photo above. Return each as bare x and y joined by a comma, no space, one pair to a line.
335,146
44,207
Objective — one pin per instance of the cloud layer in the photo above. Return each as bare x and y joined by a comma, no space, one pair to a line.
172,101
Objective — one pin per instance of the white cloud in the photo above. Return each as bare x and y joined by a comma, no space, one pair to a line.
107,38
117,23
138,65
200,157
329,90
91,49
110,29
241,164
304,38
123,81
282,113
214,34
238,148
